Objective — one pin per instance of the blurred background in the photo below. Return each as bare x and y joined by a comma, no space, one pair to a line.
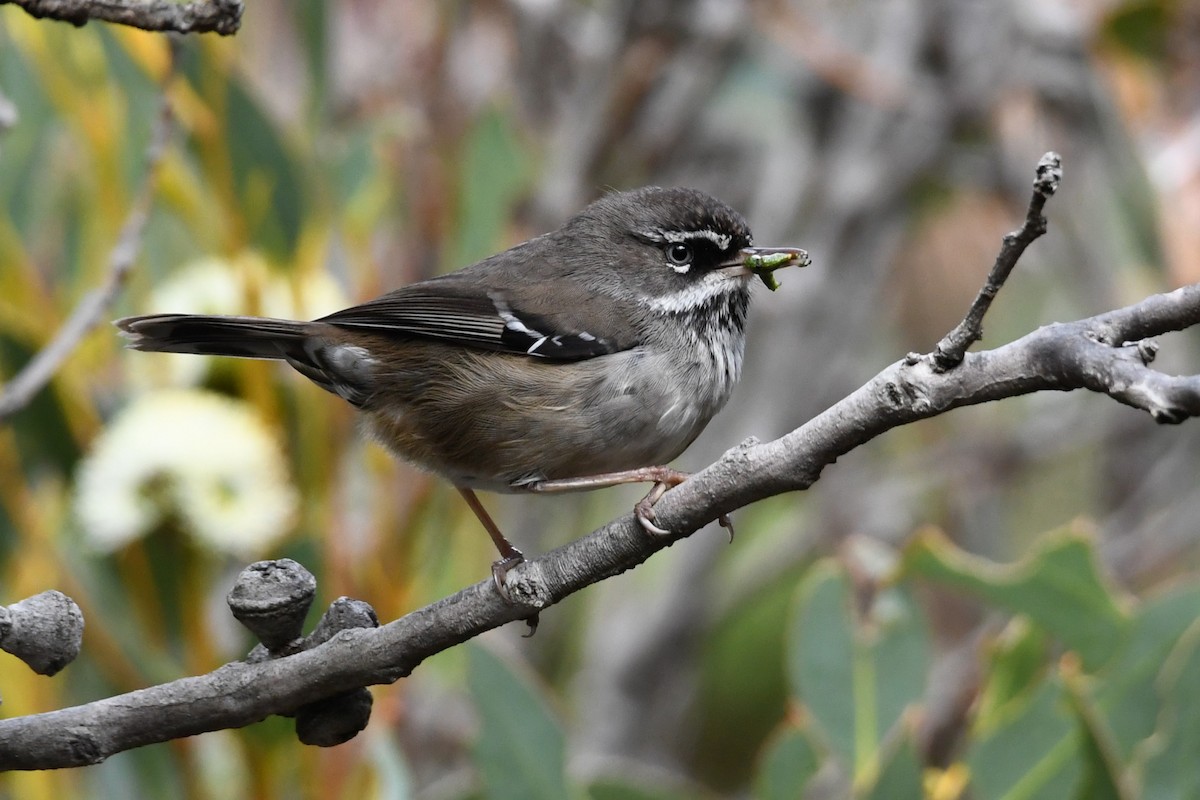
860,638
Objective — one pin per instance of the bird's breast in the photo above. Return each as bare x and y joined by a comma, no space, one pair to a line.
699,377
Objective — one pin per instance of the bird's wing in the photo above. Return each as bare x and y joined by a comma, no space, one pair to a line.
491,319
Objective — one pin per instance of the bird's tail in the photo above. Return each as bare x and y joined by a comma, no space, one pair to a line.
244,337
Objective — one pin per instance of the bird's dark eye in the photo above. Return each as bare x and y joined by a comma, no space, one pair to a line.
679,254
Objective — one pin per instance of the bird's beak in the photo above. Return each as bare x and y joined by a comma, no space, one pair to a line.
763,261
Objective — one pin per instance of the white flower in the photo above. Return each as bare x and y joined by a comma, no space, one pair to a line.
307,297
206,286
200,458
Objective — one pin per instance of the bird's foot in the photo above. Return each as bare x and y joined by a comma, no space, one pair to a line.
665,478
500,571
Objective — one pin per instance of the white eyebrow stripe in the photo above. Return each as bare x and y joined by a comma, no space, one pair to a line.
721,240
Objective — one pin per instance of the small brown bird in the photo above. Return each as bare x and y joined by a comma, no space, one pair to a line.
586,357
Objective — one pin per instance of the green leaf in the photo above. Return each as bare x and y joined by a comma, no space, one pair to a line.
901,774
1104,776
1031,752
1171,772
22,150
738,708
267,175
520,751
495,169
1017,660
1058,587
1126,704
788,762
1140,28
313,25
611,789
1127,691
855,675
821,655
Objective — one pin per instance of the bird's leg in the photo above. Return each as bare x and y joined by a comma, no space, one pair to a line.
656,475
662,477
509,555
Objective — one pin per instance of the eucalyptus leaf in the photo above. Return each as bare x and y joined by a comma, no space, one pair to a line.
520,750
855,675
788,763
1059,587
1031,752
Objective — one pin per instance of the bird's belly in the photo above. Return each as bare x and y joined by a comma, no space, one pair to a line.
507,427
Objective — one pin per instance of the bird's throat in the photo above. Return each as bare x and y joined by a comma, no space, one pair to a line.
713,341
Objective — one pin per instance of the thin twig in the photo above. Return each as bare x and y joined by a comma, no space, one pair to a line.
21,390
950,350
205,16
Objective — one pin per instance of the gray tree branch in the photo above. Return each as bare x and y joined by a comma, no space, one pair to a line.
1087,354
204,16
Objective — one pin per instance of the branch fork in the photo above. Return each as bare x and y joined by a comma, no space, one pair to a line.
951,350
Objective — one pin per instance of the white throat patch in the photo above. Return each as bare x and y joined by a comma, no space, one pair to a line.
712,284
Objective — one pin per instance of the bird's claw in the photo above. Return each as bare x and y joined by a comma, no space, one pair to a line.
644,511
500,570
645,518
725,522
